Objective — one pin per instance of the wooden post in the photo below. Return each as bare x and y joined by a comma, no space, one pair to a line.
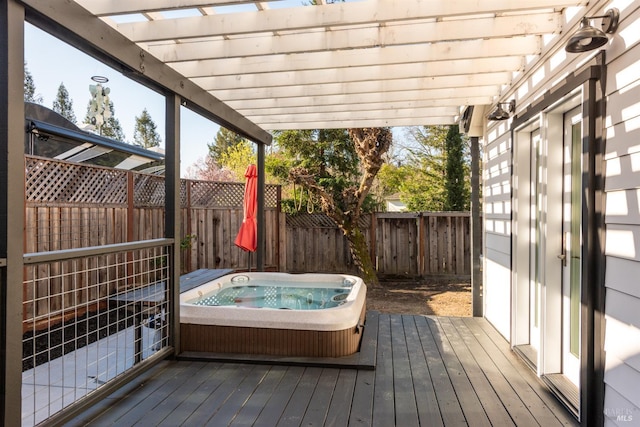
172,216
476,237
260,253
373,249
12,195
276,256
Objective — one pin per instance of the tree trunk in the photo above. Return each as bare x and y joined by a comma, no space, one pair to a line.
361,257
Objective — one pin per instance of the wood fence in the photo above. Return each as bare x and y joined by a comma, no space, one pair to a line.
69,206
75,206
401,244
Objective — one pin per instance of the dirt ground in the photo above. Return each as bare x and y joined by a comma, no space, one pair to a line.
432,296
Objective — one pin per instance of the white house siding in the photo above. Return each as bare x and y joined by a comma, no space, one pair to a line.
622,209
622,185
497,237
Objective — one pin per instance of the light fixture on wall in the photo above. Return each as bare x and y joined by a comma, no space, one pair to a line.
499,113
588,37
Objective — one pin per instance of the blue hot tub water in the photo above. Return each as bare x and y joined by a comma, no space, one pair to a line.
275,295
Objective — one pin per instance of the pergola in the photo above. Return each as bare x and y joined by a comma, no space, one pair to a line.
253,67
363,63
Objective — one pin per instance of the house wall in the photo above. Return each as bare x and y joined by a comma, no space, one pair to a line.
622,207
622,218
496,207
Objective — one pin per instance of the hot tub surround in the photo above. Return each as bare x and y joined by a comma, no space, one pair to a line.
329,332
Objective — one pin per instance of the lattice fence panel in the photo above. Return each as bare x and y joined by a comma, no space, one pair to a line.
183,193
271,196
209,194
216,194
149,190
52,181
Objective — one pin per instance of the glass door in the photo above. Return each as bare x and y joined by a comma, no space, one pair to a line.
535,239
572,245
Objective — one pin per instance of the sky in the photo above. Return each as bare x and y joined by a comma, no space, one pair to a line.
51,62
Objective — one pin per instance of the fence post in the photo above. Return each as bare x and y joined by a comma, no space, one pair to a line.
422,238
373,241
187,225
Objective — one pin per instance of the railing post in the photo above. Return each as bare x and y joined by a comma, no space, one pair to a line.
12,197
172,217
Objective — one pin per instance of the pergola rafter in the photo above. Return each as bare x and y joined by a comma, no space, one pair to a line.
278,62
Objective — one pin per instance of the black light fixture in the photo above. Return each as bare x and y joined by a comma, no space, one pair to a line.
588,37
500,113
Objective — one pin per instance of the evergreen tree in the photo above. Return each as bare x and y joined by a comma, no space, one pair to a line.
456,185
30,88
63,105
424,190
145,134
434,175
224,140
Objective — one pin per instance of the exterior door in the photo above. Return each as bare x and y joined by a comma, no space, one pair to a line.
535,239
572,245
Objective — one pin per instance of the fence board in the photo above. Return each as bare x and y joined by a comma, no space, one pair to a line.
404,244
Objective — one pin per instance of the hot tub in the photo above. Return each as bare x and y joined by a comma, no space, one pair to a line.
303,315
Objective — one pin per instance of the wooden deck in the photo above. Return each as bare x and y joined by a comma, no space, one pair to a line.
429,371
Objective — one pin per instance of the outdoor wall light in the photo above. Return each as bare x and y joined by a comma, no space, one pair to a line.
588,37
500,113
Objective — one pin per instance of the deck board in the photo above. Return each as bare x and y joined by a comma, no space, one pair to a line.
239,397
274,408
429,371
318,407
528,387
295,410
210,382
341,398
428,410
477,367
469,401
128,407
173,399
250,411
362,403
406,411
450,409
383,402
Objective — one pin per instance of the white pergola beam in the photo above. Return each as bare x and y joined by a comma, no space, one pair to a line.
126,7
247,110
483,95
344,124
409,34
332,15
362,74
462,84
377,56
360,115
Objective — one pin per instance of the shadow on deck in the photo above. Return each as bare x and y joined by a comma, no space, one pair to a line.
429,371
